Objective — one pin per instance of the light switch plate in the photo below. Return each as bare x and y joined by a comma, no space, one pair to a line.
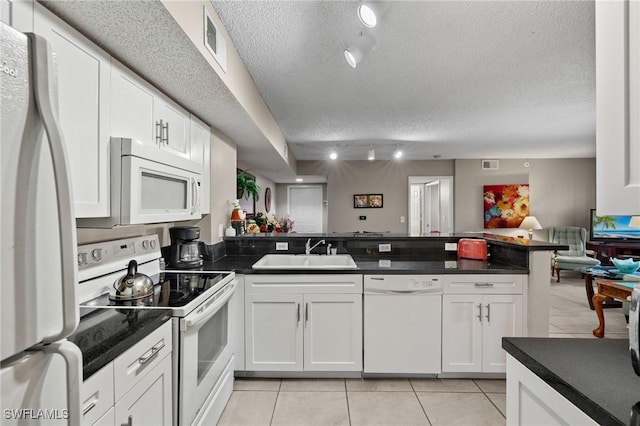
450,246
282,246
384,248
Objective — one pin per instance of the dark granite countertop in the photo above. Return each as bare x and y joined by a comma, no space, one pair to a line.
105,333
594,374
375,265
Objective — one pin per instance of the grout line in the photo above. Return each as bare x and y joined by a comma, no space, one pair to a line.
490,400
346,395
273,412
420,403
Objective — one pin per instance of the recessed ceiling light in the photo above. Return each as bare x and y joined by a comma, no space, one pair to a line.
397,153
299,179
333,155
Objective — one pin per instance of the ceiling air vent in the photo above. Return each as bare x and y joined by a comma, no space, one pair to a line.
490,165
214,41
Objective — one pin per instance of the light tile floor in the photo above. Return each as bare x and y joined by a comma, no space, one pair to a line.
389,402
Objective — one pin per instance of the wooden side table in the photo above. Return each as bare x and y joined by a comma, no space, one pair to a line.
607,291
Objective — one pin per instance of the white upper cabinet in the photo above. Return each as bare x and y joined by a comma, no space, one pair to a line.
142,113
18,14
200,152
83,101
618,107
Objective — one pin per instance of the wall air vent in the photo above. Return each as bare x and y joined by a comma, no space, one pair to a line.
490,165
214,41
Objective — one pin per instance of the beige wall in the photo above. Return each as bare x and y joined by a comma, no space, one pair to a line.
390,178
561,191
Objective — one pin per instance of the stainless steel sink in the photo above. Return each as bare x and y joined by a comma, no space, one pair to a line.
305,261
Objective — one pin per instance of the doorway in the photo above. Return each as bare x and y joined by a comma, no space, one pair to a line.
430,205
305,208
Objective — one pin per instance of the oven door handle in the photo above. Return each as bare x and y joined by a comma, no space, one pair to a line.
211,308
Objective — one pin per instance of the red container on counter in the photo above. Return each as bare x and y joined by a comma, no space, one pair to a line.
472,248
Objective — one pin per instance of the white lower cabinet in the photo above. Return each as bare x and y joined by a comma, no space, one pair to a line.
531,401
474,324
310,331
135,388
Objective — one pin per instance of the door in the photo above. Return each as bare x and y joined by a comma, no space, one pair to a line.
402,333
461,333
502,317
206,348
333,332
175,125
274,330
42,387
149,402
83,92
38,299
305,208
132,102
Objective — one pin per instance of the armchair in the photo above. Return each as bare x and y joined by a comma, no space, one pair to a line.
576,258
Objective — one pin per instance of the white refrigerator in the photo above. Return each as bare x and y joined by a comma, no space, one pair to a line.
41,372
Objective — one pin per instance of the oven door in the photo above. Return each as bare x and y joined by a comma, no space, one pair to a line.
154,192
205,349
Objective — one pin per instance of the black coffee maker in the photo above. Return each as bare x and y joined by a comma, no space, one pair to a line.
186,251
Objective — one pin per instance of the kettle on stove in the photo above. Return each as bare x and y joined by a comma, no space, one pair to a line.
186,251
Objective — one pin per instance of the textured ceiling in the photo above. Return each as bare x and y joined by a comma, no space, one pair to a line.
455,79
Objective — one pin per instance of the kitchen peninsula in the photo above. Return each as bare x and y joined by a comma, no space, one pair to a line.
413,255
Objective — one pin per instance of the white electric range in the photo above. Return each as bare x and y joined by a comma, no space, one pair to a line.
199,301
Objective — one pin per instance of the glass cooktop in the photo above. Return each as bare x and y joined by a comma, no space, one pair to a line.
171,290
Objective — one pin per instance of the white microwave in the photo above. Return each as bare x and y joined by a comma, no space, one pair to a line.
149,185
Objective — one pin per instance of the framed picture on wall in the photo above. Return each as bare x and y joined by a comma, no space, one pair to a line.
366,201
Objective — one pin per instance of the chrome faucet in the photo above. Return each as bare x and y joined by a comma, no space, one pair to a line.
308,247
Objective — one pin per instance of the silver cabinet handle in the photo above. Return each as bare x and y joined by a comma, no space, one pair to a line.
378,278
166,133
306,312
488,312
159,132
480,312
483,284
89,408
298,312
154,352
129,422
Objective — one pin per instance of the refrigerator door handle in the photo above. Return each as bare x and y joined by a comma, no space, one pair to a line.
73,358
42,89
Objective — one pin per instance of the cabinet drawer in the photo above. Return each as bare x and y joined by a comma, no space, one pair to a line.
483,284
303,283
135,363
97,395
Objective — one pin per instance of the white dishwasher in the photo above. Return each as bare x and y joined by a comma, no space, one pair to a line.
402,324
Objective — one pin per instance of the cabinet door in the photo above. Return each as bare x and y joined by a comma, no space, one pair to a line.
200,151
176,125
273,332
502,317
149,402
132,101
17,14
108,419
333,332
461,333
618,107
83,100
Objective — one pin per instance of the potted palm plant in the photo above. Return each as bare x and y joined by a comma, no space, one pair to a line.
247,186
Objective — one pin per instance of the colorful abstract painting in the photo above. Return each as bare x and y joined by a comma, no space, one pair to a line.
505,206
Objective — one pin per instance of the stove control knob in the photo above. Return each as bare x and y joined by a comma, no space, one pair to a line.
96,254
145,244
82,259
153,244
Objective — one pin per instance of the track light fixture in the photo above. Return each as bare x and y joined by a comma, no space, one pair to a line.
372,154
359,49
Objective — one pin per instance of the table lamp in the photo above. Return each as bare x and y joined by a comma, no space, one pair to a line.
530,223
